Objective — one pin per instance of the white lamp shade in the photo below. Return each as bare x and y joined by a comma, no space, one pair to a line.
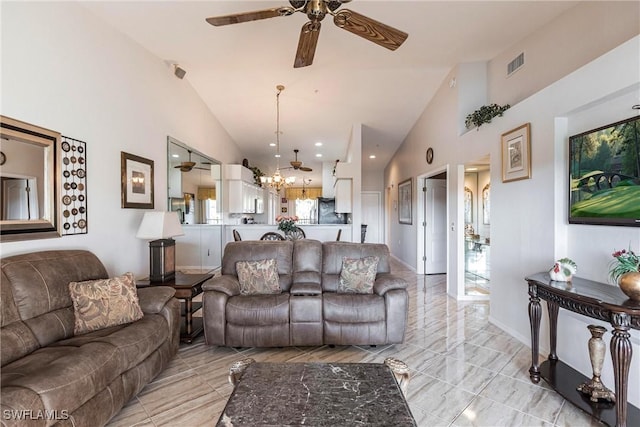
159,225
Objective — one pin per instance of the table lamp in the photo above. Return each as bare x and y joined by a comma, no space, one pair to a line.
161,227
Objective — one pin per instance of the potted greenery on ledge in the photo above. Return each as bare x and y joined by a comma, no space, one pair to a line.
484,115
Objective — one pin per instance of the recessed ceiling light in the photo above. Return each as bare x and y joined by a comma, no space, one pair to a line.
373,156
318,144
318,155
175,155
272,144
277,155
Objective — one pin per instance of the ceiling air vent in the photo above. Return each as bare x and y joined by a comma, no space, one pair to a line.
515,65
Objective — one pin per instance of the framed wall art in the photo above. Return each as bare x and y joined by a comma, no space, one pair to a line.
404,202
136,181
516,153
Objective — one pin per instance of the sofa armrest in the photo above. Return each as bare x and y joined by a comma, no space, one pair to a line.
226,284
306,288
154,298
386,282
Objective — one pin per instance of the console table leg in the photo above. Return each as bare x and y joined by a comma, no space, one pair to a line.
621,353
553,328
534,320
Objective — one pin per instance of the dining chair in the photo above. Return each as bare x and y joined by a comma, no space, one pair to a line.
236,236
296,234
272,235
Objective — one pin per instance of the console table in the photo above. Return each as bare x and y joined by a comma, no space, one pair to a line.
598,301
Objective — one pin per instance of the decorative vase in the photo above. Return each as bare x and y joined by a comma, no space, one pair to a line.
630,284
594,388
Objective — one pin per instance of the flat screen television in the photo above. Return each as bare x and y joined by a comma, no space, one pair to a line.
604,175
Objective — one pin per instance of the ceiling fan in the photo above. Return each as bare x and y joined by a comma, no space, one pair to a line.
360,25
297,165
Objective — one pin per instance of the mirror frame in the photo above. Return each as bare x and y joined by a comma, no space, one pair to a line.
49,226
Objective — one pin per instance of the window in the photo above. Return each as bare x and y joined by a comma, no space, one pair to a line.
306,210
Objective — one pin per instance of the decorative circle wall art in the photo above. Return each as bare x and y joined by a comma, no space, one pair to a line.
74,184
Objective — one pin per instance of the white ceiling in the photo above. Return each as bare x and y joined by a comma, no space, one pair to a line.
235,68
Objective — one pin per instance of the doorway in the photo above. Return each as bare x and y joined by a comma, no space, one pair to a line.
432,217
372,216
477,228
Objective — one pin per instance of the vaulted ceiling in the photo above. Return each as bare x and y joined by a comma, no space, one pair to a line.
235,68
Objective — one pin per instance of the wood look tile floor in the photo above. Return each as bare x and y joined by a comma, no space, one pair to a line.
465,371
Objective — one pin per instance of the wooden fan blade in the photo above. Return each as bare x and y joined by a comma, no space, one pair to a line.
305,169
237,18
307,44
370,29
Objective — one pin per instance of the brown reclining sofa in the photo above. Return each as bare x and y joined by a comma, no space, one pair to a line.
49,376
309,311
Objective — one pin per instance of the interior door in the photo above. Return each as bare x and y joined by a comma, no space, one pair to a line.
436,226
372,216
19,199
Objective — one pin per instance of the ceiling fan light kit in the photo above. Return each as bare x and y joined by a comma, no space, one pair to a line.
316,10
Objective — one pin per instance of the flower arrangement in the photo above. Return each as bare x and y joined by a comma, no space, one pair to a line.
626,261
286,223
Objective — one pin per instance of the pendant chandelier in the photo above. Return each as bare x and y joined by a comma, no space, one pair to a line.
277,180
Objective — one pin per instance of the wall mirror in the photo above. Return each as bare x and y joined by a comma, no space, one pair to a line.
194,192
28,181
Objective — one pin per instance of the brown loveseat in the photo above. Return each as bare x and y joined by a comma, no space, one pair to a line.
49,375
309,311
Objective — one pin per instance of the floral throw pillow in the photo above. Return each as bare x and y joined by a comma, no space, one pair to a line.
98,304
258,277
358,274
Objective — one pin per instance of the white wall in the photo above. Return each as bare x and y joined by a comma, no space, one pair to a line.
529,229
578,36
65,70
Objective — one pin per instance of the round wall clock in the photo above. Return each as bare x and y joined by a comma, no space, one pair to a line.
429,155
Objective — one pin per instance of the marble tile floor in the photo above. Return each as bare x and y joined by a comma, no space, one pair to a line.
465,371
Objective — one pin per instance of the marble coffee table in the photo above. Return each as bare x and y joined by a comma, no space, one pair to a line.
317,394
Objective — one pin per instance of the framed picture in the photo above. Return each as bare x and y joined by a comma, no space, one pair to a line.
136,181
283,209
283,200
404,202
516,153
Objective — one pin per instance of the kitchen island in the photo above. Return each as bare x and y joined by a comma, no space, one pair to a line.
322,232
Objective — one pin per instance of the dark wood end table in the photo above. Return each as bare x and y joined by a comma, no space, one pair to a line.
187,287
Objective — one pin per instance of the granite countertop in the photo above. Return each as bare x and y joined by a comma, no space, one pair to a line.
317,394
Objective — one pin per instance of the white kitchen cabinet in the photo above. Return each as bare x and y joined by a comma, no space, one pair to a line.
199,249
343,195
260,203
244,197
237,173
